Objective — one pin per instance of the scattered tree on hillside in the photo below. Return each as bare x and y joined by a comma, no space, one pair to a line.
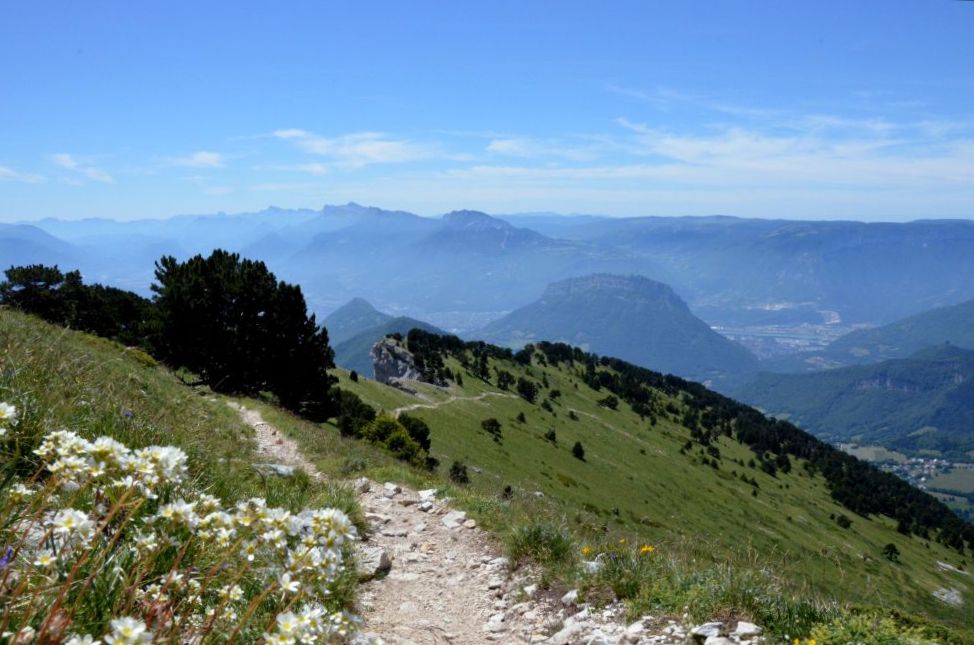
527,389
504,379
391,434
353,413
492,427
458,473
891,553
610,402
578,451
418,430
523,356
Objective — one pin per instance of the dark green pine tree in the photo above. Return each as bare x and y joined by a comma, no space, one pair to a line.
231,321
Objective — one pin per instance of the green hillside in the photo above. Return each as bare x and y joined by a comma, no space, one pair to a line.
650,479
353,353
61,380
351,319
924,403
900,339
735,531
632,317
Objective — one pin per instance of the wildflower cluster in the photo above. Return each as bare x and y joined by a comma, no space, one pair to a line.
106,544
74,461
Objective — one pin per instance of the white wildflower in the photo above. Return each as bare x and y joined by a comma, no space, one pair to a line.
73,524
249,550
82,640
179,512
45,559
209,504
288,584
110,453
145,542
170,462
278,639
288,624
128,631
19,492
62,443
8,414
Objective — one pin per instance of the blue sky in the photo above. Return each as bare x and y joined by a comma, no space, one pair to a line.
826,110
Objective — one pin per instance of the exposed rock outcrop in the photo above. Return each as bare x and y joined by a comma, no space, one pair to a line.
393,363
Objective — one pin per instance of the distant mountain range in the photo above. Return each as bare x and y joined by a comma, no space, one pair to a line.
467,265
356,326
921,403
953,324
631,317
24,244
352,318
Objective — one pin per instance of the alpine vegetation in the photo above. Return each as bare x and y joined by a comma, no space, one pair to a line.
105,542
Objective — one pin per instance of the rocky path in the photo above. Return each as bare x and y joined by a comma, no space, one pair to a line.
431,576
272,445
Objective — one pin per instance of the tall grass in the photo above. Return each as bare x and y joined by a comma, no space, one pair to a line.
109,532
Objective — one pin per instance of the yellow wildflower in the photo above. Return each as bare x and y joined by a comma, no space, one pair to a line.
586,550
647,548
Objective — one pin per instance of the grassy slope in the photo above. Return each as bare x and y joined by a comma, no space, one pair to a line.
665,497
64,379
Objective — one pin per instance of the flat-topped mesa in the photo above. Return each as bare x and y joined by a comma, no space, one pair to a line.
630,286
393,363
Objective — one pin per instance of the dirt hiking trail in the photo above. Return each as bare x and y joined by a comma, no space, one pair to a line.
434,577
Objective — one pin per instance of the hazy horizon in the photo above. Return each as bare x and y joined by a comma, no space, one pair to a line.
526,214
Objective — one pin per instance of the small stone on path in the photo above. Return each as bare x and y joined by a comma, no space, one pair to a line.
454,519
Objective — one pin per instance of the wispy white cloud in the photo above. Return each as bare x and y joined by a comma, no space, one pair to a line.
65,160
739,159
9,174
359,148
529,148
313,168
199,159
